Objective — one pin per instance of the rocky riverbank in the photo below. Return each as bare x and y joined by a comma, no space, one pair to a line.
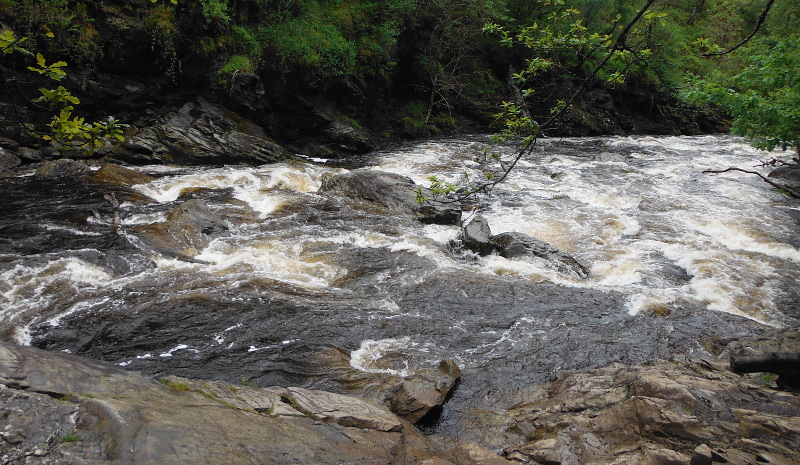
60,409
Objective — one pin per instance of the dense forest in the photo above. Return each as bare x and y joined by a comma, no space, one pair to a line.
383,69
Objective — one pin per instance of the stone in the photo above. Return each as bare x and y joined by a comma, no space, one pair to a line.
29,155
788,175
200,133
702,455
118,417
116,175
477,235
189,228
394,192
8,160
469,453
62,168
515,244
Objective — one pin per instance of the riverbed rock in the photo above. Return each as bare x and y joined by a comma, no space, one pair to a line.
116,175
200,133
411,396
788,175
187,229
656,414
394,192
63,410
62,168
477,235
514,244
8,160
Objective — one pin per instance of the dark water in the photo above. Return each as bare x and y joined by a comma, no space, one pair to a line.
680,262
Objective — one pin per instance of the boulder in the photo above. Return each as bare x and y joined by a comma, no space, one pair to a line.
413,396
116,175
477,235
8,160
394,192
62,168
188,228
514,244
200,133
788,175
29,155
62,410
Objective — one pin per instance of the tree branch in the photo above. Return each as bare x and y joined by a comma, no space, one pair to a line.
760,23
791,193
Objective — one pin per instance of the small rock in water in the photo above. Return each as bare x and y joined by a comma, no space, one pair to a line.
62,168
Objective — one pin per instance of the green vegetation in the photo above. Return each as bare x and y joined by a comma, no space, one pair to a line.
70,437
174,385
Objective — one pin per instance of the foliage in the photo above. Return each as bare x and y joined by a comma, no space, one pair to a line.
764,98
67,132
71,437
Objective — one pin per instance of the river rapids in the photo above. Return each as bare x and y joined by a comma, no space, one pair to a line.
680,261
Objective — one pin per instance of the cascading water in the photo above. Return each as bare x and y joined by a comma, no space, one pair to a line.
677,259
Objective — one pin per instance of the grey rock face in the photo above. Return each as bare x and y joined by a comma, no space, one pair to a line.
62,410
188,229
8,160
477,235
392,191
788,176
200,132
516,244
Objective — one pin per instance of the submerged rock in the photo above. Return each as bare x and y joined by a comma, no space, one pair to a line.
188,229
514,244
394,192
62,410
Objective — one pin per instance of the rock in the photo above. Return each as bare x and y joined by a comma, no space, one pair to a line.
116,175
477,235
392,191
702,455
653,414
200,132
412,397
469,453
71,411
29,155
188,229
8,160
62,168
514,244
788,175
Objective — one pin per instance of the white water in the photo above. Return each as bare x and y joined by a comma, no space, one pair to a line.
638,212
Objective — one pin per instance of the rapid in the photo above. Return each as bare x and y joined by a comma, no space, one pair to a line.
680,261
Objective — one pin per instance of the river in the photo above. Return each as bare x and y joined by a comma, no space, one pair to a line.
680,262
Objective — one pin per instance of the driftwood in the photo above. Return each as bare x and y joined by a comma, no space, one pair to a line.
785,364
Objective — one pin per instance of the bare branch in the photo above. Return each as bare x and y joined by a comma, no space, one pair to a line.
791,193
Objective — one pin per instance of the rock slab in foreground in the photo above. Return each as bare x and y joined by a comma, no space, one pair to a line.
665,413
59,409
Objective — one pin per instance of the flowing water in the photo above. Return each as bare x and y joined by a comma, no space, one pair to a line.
679,261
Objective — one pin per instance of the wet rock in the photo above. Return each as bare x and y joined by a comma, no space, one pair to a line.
392,191
654,414
117,175
8,160
412,396
514,244
62,410
188,229
788,176
469,453
62,168
29,155
200,132
477,235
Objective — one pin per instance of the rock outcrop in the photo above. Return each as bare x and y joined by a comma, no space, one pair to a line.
665,413
788,176
200,133
62,168
394,192
62,410
477,236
